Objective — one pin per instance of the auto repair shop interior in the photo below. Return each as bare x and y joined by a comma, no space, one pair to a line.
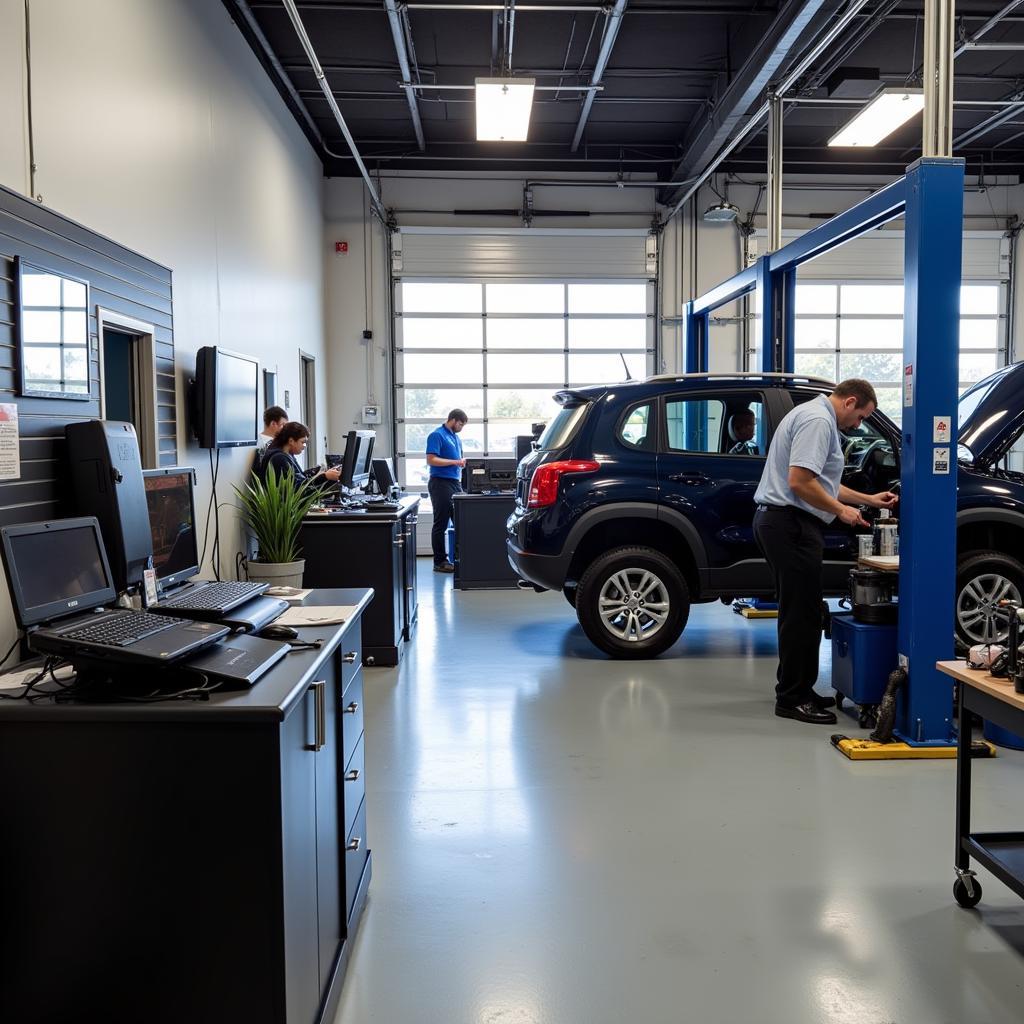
424,429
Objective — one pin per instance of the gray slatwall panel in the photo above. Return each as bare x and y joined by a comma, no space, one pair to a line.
119,280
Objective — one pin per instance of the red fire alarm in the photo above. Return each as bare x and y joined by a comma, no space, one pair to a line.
341,248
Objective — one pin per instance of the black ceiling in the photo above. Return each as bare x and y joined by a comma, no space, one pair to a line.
669,70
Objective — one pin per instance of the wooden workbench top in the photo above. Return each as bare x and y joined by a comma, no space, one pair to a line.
979,679
886,563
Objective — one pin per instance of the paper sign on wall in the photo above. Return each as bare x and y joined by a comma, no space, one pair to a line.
908,385
941,429
10,456
940,460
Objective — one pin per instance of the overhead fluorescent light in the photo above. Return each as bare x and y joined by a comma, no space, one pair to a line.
503,109
889,110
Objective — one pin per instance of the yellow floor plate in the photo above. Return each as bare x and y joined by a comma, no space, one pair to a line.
759,613
869,750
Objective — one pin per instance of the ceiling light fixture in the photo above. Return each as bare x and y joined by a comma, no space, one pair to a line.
721,213
503,109
890,109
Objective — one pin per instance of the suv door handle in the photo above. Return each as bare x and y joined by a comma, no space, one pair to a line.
689,478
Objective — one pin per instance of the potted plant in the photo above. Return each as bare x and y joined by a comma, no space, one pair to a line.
273,509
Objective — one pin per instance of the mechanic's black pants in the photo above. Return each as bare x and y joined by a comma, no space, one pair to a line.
441,489
793,542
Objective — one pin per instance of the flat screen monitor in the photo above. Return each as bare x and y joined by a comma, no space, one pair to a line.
524,445
170,500
226,398
56,568
384,475
356,462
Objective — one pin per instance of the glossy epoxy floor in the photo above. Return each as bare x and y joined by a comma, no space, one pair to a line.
563,839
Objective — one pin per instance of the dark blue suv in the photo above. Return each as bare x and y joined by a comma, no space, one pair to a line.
638,501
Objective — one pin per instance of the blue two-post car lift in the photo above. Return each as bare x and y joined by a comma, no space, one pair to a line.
930,198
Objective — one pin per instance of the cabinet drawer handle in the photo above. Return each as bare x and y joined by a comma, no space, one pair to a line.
349,657
352,708
352,775
400,543
319,689
354,844
410,589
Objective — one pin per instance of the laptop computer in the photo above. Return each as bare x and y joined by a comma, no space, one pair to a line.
170,500
63,597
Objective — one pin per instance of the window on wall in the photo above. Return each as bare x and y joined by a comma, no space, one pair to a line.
856,330
499,350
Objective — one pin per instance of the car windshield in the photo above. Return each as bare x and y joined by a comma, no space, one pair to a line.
562,427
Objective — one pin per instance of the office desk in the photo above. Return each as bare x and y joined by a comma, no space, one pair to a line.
1001,852
369,549
481,558
199,862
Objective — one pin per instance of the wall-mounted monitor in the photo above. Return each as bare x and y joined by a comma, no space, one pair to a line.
52,331
225,398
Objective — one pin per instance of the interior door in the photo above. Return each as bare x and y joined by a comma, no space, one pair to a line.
709,466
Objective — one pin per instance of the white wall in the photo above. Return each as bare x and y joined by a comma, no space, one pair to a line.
155,125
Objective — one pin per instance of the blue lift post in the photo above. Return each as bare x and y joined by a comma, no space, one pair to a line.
931,198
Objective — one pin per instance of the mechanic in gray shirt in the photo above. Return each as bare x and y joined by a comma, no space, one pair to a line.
799,493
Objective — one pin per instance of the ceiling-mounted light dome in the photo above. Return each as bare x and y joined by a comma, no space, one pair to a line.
721,213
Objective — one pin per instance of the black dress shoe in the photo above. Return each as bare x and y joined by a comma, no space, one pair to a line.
822,703
808,712
444,567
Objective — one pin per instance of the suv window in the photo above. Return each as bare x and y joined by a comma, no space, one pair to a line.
716,426
560,430
635,429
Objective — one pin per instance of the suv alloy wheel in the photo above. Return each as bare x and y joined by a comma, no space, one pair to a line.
983,579
632,602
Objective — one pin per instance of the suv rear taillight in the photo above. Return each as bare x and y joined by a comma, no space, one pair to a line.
544,484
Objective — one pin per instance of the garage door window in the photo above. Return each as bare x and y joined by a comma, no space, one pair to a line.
501,349
856,330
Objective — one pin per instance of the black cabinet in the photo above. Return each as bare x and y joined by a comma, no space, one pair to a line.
200,862
369,549
481,559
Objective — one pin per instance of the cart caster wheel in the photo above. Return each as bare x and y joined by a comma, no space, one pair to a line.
961,895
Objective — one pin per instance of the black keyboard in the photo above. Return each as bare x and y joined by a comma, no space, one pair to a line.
214,596
124,629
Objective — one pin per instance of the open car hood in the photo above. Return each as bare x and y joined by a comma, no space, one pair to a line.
991,414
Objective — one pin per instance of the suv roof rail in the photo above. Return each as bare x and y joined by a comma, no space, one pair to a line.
738,375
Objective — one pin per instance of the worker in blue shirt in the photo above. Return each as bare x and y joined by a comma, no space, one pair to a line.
444,457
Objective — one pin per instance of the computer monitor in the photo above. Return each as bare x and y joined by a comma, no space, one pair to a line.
356,462
524,445
55,568
170,500
384,475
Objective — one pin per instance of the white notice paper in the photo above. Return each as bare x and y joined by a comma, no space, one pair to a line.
941,427
940,460
908,385
10,457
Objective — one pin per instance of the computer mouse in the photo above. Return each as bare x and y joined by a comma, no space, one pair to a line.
277,632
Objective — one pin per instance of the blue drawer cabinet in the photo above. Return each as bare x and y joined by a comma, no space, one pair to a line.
862,657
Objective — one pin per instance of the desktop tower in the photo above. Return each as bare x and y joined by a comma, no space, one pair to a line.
106,478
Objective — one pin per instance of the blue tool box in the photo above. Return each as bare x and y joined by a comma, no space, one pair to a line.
862,657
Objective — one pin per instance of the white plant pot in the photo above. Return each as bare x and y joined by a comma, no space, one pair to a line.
277,574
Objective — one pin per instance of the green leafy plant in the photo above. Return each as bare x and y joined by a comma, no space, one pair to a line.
274,509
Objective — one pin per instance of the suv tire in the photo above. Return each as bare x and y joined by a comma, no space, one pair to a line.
616,619
983,578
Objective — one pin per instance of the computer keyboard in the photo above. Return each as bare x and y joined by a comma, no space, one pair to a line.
214,596
124,629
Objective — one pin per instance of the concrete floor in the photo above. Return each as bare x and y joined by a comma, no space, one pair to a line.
563,839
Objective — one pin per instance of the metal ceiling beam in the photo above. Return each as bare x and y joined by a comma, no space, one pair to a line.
307,45
398,35
990,46
987,27
1015,105
704,141
613,21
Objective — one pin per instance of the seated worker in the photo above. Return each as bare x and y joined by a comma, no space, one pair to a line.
742,427
291,441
